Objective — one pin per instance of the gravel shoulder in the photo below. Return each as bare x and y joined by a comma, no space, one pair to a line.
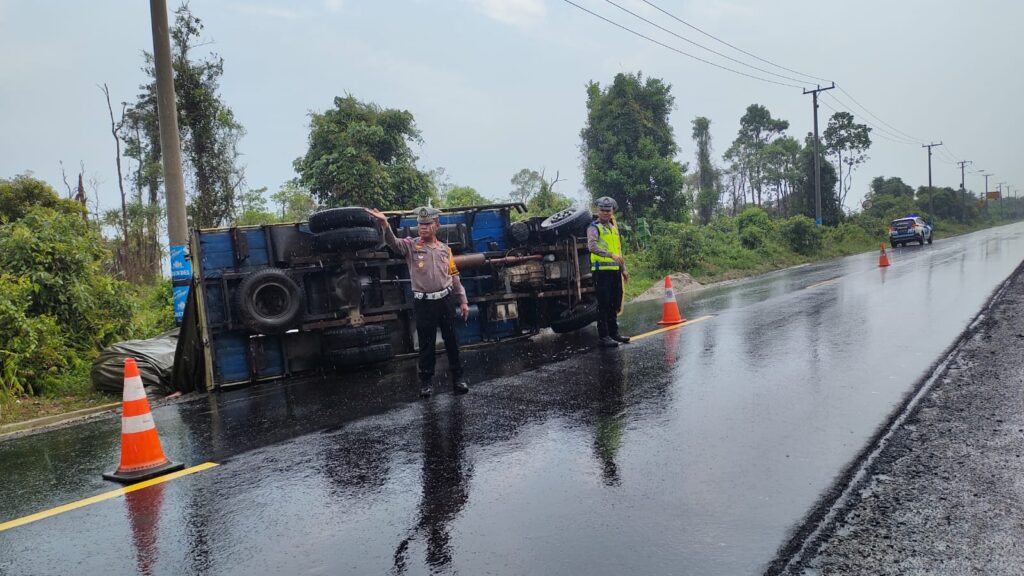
942,491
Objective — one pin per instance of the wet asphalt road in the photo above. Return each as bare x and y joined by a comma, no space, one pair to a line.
696,451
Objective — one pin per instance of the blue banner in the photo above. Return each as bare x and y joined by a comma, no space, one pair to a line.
180,296
181,266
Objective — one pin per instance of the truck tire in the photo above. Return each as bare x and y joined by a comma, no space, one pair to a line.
269,301
570,221
357,356
519,233
334,218
345,239
581,316
354,336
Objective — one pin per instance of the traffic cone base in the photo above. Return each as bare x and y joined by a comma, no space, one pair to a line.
883,260
141,454
670,308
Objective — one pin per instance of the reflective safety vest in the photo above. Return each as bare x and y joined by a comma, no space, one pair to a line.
607,238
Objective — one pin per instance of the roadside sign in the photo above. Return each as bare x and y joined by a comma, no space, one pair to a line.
992,195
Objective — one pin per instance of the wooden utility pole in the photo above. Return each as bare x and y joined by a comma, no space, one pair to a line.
167,111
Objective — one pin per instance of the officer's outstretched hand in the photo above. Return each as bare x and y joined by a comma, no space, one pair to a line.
465,311
380,216
625,276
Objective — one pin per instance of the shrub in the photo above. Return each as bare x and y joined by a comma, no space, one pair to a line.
676,247
803,235
755,227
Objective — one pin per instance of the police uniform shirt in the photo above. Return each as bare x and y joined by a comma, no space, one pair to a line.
597,246
431,267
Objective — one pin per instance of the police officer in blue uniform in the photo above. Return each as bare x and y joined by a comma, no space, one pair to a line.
436,292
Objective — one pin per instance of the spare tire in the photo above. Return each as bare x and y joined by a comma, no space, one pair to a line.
568,222
356,356
334,218
346,239
580,316
269,301
353,336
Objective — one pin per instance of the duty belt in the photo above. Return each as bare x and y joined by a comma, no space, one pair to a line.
432,295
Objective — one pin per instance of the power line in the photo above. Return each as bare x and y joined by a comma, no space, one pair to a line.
683,38
674,49
880,132
713,37
876,117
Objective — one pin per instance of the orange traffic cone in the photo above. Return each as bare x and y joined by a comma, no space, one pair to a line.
141,455
670,309
883,260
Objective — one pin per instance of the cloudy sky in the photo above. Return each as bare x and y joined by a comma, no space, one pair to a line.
499,85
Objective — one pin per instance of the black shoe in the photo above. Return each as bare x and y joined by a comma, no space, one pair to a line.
426,390
606,342
460,387
621,339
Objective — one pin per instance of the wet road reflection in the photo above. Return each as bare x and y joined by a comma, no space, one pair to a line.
692,451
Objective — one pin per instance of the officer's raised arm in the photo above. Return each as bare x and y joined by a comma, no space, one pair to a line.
389,235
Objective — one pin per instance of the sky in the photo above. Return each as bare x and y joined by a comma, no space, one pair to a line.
500,85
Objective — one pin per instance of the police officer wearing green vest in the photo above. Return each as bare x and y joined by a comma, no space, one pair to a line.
609,270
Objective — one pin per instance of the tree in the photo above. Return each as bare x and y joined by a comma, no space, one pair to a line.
831,212
525,184
359,154
844,136
251,208
546,201
464,196
757,130
782,171
882,186
708,186
628,147
295,201
21,194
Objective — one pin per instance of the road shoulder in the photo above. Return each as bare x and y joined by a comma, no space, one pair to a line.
944,494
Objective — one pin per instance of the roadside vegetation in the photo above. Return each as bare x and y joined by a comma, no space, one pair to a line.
75,278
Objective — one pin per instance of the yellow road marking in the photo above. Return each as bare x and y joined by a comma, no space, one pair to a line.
105,496
672,327
824,282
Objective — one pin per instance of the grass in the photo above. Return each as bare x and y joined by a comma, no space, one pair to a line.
31,407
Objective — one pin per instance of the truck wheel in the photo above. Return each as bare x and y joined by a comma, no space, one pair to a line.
334,218
345,239
892,243
519,233
580,316
572,220
929,239
357,356
354,336
269,301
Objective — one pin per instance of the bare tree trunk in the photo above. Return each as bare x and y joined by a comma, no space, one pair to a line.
80,197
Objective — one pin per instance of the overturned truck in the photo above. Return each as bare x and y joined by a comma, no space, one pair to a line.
272,301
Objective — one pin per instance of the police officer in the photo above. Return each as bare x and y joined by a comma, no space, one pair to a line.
609,270
435,288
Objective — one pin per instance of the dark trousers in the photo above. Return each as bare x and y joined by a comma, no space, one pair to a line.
608,284
431,314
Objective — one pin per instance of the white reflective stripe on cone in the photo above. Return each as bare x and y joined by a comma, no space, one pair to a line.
133,389
140,423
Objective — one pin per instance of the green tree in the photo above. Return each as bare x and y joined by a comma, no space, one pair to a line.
546,201
295,202
894,186
629,149
464,196
21,194
708,185
360,155
804,203
525,184
251,208
782,173
757,130
849,141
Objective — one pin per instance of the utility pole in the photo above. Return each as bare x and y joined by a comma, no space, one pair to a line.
963,191
170,151
817,152
931,192
1001,213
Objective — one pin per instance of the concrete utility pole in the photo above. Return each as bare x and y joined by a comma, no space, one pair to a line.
931,193
963,192
167,111
817,153
1001,213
